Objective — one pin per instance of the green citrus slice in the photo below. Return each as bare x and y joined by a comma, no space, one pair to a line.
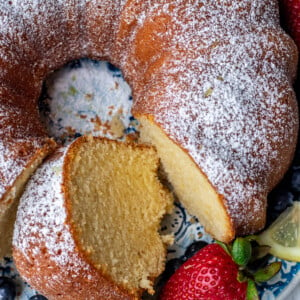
283,236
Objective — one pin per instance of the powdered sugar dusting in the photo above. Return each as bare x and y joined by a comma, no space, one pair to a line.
219,76
11,168
86,100
41,228
228,100
35,38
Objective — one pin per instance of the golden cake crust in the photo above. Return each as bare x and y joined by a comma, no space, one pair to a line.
48,249
215,77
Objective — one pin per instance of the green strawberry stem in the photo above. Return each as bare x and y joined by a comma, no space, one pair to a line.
241,251
252,293
267,272
244,251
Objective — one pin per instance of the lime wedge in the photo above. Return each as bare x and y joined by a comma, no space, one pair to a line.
283,236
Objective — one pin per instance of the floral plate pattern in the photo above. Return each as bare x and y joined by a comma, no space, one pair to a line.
91,97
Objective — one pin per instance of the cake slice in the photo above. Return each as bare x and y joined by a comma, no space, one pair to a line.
88,222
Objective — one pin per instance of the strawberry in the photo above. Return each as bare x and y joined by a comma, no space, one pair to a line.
209,274
290,14
219,272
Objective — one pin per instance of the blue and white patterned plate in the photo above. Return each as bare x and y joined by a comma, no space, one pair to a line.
91,97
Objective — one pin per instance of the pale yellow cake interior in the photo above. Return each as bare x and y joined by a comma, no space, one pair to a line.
190,185
117,203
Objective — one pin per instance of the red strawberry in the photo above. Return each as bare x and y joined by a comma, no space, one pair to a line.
209,274
290,13
221,272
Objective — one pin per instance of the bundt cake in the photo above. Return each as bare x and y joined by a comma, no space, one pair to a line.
88,221
212,89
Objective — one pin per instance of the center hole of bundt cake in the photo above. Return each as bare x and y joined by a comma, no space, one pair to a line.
116,199
117,204
86,97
